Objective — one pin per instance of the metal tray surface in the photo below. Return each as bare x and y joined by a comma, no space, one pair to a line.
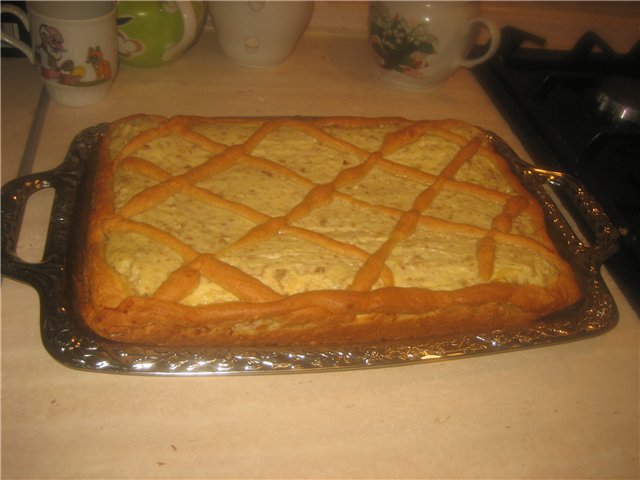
69,341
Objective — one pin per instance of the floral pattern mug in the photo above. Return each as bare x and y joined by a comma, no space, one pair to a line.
420,44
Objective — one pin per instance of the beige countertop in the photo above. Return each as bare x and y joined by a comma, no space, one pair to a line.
566,411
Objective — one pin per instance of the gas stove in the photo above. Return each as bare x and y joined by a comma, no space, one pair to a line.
578,112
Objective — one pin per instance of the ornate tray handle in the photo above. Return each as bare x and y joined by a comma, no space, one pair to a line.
600,237
604,240
65,180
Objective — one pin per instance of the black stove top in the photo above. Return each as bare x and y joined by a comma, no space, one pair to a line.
578,112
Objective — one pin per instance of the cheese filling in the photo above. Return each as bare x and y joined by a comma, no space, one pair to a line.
321,246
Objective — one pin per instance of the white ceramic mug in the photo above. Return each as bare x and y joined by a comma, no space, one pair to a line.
420,44
74,45
259,33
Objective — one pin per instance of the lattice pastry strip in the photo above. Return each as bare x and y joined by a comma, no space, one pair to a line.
151,166
317,196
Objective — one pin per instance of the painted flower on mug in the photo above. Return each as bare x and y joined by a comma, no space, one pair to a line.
402,45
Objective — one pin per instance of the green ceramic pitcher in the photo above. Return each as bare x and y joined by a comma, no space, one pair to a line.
154,33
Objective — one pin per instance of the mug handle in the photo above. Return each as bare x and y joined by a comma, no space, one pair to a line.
190,26
493,46
14,42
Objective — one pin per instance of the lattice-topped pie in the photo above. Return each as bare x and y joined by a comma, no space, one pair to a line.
236,231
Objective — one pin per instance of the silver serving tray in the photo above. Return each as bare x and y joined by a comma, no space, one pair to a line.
69,341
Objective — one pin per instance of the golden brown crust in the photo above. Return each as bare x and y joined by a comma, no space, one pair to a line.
371,307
